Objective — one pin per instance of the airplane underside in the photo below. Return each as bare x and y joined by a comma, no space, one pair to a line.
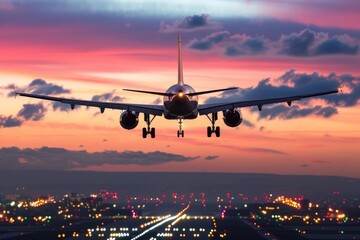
177,109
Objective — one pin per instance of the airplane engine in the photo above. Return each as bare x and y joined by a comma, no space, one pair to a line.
232,118
129,120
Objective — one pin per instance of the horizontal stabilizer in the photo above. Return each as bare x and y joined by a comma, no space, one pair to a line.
150,92
212,91
189,94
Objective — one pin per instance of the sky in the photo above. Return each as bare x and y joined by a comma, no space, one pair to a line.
93,49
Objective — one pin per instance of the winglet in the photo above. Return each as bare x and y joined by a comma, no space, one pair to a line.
15,92
340,90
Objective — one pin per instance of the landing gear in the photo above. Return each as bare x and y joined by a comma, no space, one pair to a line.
180,132
148,130
212,129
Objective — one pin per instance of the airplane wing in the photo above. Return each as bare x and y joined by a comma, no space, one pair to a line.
217,107
141,108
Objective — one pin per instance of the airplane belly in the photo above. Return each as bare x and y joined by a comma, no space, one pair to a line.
180,109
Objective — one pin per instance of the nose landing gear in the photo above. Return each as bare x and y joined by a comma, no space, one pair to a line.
180,132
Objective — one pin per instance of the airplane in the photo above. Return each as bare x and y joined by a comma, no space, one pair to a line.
180,102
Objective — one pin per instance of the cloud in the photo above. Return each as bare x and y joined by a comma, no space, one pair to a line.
305,165
336,46
306,43
190,24
58,106
248,123
32,112
47,158
208,42
285,112
107,97
292,84
39,86
211,157
310,43
10,121
298,44
232,45
246,45
265,150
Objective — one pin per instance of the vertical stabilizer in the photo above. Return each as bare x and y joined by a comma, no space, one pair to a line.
180,66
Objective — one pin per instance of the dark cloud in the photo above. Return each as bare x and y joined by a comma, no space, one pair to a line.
298,44
190,24
311,43
336,46
245,45
32,112
292,83
39,86
285,112
211,157
10,121
58,106
107,97
266,150
233,45
209,41
47,158
248,123
305,43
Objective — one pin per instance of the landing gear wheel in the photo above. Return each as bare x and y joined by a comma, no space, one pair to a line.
209,132
217,131
144,132
180,133
212,129
152,133
148,130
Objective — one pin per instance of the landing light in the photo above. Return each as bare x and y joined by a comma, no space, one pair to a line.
180,94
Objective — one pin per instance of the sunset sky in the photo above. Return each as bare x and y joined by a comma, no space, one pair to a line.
89,49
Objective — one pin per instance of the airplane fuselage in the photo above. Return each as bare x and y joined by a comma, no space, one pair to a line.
179,104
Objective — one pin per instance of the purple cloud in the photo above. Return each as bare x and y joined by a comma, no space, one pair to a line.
47,158
211,157
10,121
190,24
306,43
32,112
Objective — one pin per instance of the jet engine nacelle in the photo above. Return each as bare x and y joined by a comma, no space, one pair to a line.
232,118
129,120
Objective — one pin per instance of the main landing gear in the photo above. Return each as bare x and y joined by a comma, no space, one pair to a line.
148,130
212,129
180,132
